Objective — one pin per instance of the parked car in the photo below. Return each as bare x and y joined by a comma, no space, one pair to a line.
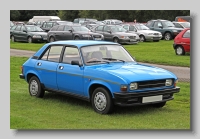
112,21
27,33
167,28
39,23
11,24
81,20
181,24
72,32
47,25
100,72
182,42
116,33
143,31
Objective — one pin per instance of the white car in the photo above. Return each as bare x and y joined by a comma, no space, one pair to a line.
181,24
143,32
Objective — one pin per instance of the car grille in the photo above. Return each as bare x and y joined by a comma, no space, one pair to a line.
156,34
132,37
151,84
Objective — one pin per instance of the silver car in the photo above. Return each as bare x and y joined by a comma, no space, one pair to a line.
143,32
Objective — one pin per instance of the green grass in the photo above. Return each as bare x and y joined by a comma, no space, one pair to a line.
149,52
61,112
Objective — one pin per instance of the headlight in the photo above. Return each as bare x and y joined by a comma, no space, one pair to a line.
133,86
174,31
124,37
168,82
37,36
86,35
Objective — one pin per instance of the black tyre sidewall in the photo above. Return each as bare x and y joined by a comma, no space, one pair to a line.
109,106
40,93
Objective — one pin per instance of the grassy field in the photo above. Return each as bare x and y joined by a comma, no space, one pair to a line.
149,52
60,112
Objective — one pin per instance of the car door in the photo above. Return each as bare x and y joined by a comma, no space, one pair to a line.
47,66
16,33
67,33
185,41
23,33
158,26
70,77
107,33
59,33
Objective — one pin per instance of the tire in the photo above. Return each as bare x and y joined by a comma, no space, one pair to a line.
167,36
30,40
179,50
35,88
76,38
12,38
142,38
159,105
116,40
101,101
51,39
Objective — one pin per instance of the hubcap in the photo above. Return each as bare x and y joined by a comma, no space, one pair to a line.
167,37
179,51
29,40
33,88
51,40
141,38
100,101
13,39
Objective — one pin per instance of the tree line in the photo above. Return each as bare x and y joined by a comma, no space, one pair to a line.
126,15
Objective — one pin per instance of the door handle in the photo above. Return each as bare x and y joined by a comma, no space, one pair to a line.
61,67
39,64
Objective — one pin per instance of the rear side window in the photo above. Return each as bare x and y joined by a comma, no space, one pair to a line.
186,34
99,28
149,23
54,28
18,28
52,54
60,28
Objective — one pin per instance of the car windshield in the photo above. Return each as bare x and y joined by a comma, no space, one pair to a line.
168,24
80,28
186,24
34,29
11,23
118,29
99,54
141,27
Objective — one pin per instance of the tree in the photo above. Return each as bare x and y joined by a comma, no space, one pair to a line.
14,15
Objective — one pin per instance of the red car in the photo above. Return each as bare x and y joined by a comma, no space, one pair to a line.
182,42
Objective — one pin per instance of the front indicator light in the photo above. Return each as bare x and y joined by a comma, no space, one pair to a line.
123,88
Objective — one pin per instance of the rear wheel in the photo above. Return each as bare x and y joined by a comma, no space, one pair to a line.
76,38
179,50
142,38
101,101
51,39
35,88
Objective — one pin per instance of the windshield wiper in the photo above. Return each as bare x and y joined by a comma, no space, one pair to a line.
96,61
113,59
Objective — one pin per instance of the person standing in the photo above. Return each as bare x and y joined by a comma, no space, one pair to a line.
135,21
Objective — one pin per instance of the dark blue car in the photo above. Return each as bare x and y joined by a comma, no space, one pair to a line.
100,72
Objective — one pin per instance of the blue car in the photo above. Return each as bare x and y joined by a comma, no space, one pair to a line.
100,72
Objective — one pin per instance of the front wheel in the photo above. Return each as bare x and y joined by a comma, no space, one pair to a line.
179,50
12,38
116,40
30,40
76,38
168,36
51,39
35,88
142,38
101,101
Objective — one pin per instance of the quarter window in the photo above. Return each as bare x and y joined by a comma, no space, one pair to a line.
53,54
186,34
99,28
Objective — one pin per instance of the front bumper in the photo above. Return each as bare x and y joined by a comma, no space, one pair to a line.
131,99
39,39
21,76
128,41
153,37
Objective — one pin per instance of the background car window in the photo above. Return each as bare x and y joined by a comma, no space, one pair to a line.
149,23
71,53
157,24
53,54
178,25
54,28
125,27
132,28
13,27
106,28
186,34
66,28
99,28
60,28
49,25
23,28
44,25
18,28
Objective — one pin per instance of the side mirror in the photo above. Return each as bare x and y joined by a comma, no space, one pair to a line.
25,31
109,31
160,26
75,62
70,30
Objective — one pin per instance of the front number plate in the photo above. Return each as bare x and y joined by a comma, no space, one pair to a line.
151,99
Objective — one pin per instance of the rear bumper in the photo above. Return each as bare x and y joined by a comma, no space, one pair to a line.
130,99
